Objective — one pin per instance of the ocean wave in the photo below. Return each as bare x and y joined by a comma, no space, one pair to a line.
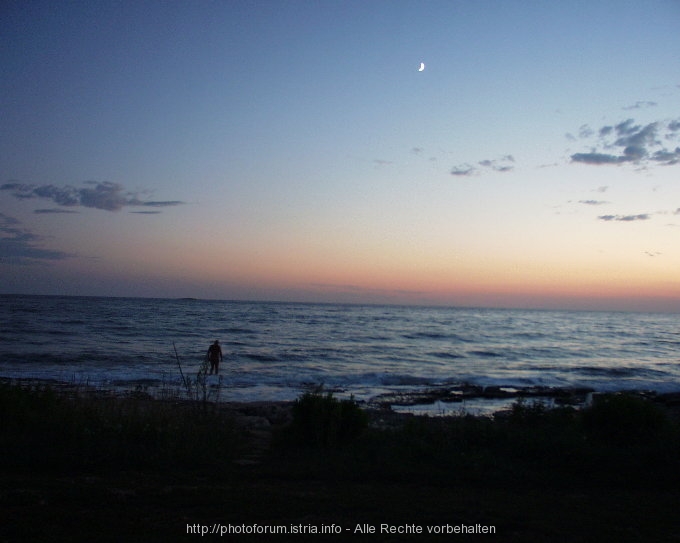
442,336
447,355
485,354
237,331
261,357
618,372
388,379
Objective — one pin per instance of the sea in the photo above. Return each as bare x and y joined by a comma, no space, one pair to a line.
278,351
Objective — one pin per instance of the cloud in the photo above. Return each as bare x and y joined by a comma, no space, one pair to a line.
503,164
605,131
585,131
640,104
464,170
595,158
20,246
593,202
667,157
629,142
168,203
635,136
625,218
382,162
495,166
54,210
98,195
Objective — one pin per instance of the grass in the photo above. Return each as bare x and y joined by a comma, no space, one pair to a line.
146,469
45,429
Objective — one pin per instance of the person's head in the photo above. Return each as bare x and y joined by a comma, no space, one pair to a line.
217,342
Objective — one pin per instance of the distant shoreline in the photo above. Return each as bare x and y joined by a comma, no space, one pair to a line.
550,309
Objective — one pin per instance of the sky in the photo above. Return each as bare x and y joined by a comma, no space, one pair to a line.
294,151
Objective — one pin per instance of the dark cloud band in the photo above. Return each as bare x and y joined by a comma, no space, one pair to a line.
20,246
503,164
98,195
625,218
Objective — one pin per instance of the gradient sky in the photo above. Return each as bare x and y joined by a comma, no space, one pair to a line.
291,150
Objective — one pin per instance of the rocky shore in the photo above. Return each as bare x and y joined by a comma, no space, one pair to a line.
278,412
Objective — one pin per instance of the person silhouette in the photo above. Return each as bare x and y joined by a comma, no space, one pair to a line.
215,357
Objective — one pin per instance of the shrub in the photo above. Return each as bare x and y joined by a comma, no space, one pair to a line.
324,421
624,419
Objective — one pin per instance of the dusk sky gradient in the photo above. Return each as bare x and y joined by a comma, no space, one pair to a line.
292,150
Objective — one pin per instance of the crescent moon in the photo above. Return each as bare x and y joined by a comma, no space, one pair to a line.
422,67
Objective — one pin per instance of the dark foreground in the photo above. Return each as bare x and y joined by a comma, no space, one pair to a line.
77,467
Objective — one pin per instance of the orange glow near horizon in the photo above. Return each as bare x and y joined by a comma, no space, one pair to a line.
468,285
413,274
